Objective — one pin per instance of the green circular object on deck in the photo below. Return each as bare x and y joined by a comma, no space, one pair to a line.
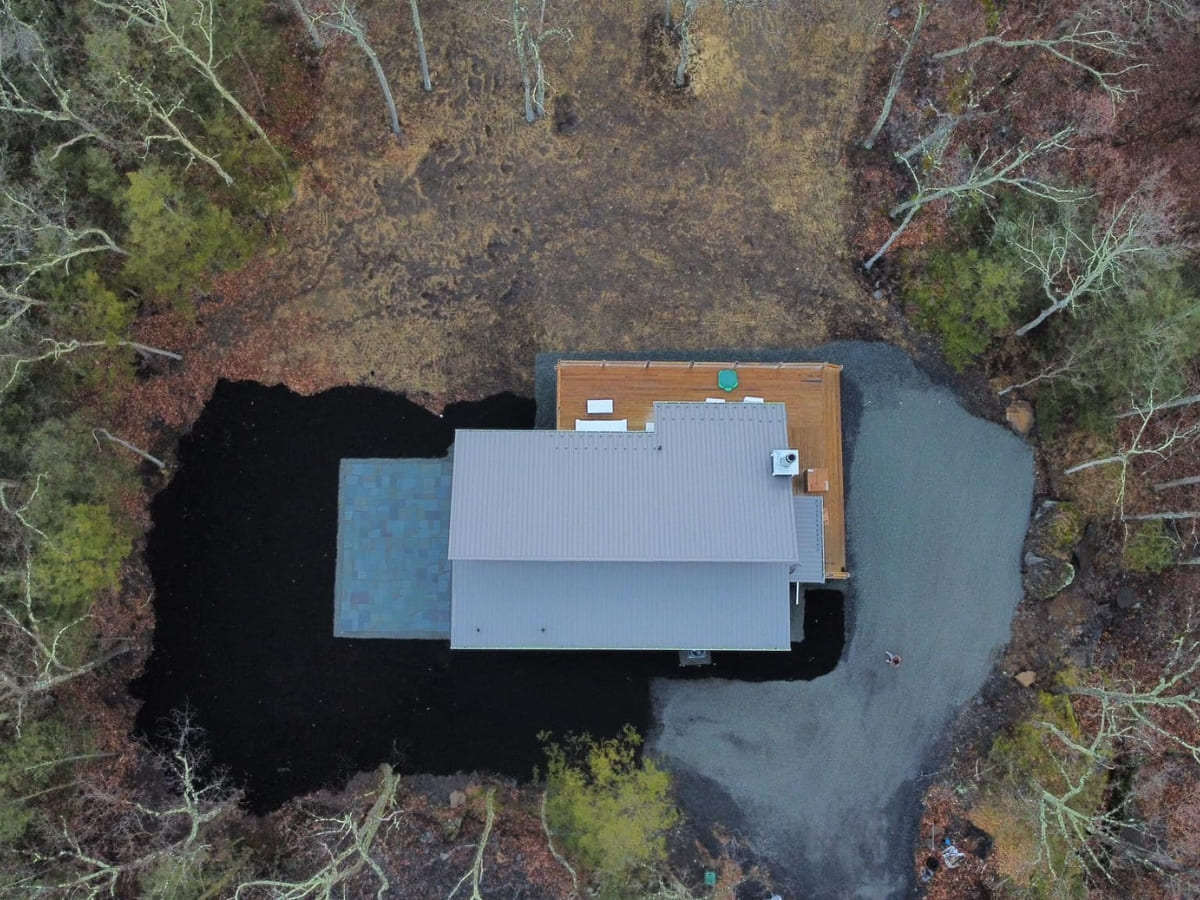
727,379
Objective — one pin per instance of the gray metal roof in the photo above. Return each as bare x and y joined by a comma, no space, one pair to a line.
697,489
809,564
620,606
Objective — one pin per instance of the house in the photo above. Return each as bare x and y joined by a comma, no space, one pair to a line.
676,506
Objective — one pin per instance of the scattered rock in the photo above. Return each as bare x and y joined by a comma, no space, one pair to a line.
457,799
1071,607
1056,530
1085,553
1126,597
1020,417
1082,657
451,827
1026,678
1046,577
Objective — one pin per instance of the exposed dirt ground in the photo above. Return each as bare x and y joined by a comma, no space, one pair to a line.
715,217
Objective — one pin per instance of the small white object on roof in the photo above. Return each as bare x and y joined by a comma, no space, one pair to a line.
714,399
599,407
601,424
649,426
785,462
753,400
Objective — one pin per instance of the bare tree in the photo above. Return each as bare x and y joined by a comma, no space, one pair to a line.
1161,516
186,29
683,28
346,842
1136,341
558,857
1189,400
23,49
34,660
1079,42
475,874
528,39
897,77
987,173
1177,482
38,234
1180,434
160,112
1067,366
932,145
98,433
314,34
1074,264
347,20
420,32
1122,718
54,349
172,831
520,25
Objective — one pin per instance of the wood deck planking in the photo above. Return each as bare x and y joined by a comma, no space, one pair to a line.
811,392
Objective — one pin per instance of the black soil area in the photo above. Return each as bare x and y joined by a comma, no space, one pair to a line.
242,555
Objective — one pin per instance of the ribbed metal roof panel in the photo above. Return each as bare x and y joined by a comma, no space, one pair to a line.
697,489
809,564
619,606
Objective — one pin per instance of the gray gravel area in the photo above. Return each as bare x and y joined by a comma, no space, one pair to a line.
825,776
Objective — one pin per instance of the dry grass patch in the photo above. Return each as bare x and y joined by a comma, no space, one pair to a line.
715,218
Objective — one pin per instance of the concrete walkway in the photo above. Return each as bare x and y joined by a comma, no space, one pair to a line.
821,775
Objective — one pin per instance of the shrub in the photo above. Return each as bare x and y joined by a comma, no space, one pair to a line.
73,468
82,558
34,767
612,811
1140,341
1148,548
968,296
84,308
1037,861
177,239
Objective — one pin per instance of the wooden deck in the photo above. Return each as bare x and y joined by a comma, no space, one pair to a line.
812,393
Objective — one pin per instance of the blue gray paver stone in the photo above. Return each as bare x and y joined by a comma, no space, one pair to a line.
393,577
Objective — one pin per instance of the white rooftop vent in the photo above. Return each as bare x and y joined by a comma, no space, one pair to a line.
785,462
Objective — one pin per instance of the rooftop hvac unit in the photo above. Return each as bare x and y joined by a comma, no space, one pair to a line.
785,462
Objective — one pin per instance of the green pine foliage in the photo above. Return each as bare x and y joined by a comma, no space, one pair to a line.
611,810
177,240
260,187
968,296
77,485
1139,344
73,467
84,306
82,558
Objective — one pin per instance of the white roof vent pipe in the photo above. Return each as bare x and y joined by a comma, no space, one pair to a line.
785,462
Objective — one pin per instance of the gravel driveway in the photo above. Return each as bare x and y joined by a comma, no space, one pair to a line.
821,775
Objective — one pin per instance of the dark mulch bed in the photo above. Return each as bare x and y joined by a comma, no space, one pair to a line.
242,554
